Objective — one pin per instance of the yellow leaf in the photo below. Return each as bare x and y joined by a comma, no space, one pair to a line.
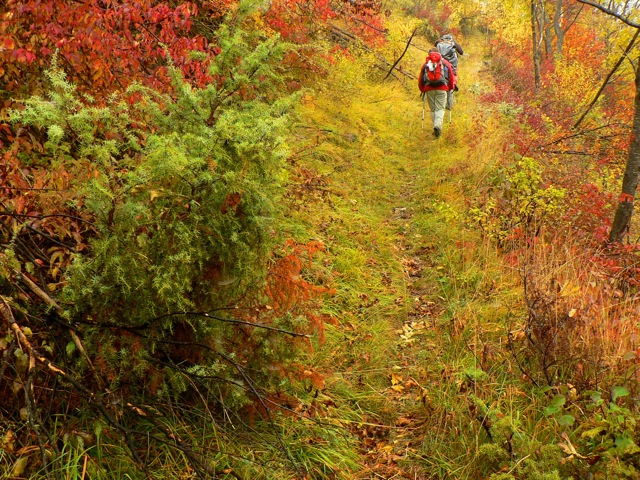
8,443
19,467
16,386
572,312
138,410
153,194
403,422
569,289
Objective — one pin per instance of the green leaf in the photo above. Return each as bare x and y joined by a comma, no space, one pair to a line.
544,389
619,392
626,445
593,395
558,401
551,410
71,347
97,429
566,420
555,405
631,448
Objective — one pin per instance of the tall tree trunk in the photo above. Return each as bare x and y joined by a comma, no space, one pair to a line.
536,45
557,26
622,218
545,30
548,47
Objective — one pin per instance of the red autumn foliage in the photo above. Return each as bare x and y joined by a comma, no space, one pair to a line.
300,21
289,291
437,19
103,44
572,272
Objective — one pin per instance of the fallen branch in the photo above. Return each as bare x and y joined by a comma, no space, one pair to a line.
44,296
41,294
7,314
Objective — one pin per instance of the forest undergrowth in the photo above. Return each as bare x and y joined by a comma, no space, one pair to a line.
259,263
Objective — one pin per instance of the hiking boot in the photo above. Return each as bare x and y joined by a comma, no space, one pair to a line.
436,132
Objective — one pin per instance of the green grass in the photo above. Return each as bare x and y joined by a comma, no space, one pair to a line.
399,196
395,194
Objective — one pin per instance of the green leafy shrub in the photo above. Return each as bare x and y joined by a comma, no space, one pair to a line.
517,202
170,266
182,207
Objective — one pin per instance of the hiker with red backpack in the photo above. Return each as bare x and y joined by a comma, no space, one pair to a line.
436,81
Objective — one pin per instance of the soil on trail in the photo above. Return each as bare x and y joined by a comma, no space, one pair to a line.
428,181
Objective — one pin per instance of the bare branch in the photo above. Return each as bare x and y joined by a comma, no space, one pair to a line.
53,304
44,296
234,321
611,12
606,80
40,217
400,57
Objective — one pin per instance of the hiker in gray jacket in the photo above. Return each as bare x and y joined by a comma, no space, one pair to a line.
450,50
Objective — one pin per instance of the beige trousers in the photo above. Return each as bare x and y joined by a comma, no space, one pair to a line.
437,100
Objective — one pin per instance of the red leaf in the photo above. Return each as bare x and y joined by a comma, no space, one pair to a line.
8,43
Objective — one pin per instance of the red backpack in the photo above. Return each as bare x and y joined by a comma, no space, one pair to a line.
434,72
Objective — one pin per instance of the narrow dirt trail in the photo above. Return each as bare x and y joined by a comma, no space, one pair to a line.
391,205
432,182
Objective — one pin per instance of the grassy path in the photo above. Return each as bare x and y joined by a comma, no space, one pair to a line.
415,286
435,248
388,200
